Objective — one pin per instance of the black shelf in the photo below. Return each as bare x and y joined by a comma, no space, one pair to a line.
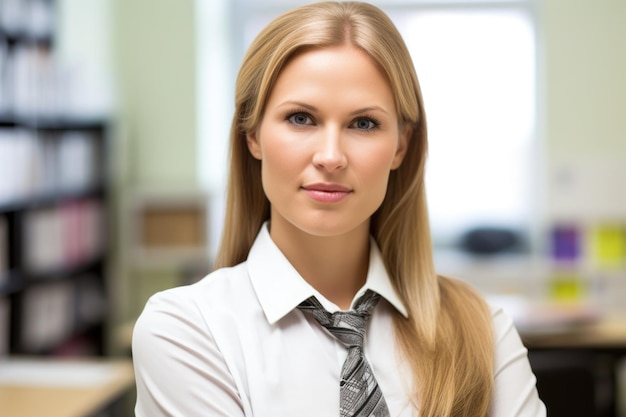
52,198
60,124
24,38
11,283
91,336
54,244
15,281
61,273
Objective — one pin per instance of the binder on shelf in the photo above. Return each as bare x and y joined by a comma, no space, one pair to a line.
76,161
46,165
17,157
90,300
4,325
4,86
47,316
72,233
43,236
65,236
94,228
4,249
82,231
34,163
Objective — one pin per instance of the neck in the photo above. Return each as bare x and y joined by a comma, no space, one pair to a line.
335,266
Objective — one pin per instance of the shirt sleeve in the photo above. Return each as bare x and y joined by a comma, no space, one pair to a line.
179,370
515,392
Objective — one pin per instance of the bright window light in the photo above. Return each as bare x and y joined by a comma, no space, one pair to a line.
477,72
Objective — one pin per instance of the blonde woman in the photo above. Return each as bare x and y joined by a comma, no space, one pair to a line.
324,300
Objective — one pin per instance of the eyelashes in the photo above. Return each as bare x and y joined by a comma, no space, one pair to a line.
366,123
301,117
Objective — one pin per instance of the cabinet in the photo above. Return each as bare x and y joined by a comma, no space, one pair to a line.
53,197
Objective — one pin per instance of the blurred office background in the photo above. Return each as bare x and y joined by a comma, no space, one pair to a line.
114,122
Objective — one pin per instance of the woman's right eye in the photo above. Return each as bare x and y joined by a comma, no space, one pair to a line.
300,119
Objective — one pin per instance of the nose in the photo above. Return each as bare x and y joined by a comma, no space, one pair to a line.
330,154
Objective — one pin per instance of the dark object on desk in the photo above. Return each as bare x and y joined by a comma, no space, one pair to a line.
490,240
566,383
567,392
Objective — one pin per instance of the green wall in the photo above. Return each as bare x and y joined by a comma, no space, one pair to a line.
154,66
154,44
584,127
585,62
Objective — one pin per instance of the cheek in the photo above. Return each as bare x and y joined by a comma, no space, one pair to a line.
375,164
280,161
379,181
277,158
373,181
376,168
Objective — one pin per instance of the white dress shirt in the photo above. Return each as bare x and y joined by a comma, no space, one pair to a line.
234,344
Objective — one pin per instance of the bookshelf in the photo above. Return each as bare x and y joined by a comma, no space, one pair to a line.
54,194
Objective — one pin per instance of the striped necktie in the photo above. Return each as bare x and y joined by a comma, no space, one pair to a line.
360,395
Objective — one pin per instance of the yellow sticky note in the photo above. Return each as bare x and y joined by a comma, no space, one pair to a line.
567,286
608,245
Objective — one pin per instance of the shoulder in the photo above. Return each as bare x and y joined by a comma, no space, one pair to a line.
221,284
175,345
193,305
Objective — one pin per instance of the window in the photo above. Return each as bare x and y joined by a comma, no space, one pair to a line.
477,71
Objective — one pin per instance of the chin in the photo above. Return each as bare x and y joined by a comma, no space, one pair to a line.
325,227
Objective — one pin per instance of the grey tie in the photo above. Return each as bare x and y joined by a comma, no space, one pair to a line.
360,395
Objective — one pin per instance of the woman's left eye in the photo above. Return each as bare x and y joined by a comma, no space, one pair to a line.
299,119
365,123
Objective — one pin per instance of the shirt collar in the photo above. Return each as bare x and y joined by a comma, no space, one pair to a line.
280,288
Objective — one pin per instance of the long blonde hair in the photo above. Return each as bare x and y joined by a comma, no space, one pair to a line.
447,338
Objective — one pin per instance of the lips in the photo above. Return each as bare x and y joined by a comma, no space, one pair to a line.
327,192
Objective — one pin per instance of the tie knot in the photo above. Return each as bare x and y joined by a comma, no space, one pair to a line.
347,326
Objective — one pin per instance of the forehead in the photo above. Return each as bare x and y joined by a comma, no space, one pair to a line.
317,58
337,71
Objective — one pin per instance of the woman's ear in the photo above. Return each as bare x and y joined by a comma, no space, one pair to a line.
253,145
403,145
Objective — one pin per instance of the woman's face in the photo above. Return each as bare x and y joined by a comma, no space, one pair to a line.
327,142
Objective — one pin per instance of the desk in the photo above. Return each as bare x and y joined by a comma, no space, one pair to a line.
607,333
598,346
67,398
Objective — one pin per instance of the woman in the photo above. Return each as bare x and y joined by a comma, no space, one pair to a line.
326,213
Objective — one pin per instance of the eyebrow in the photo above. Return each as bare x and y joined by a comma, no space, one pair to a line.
313,108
